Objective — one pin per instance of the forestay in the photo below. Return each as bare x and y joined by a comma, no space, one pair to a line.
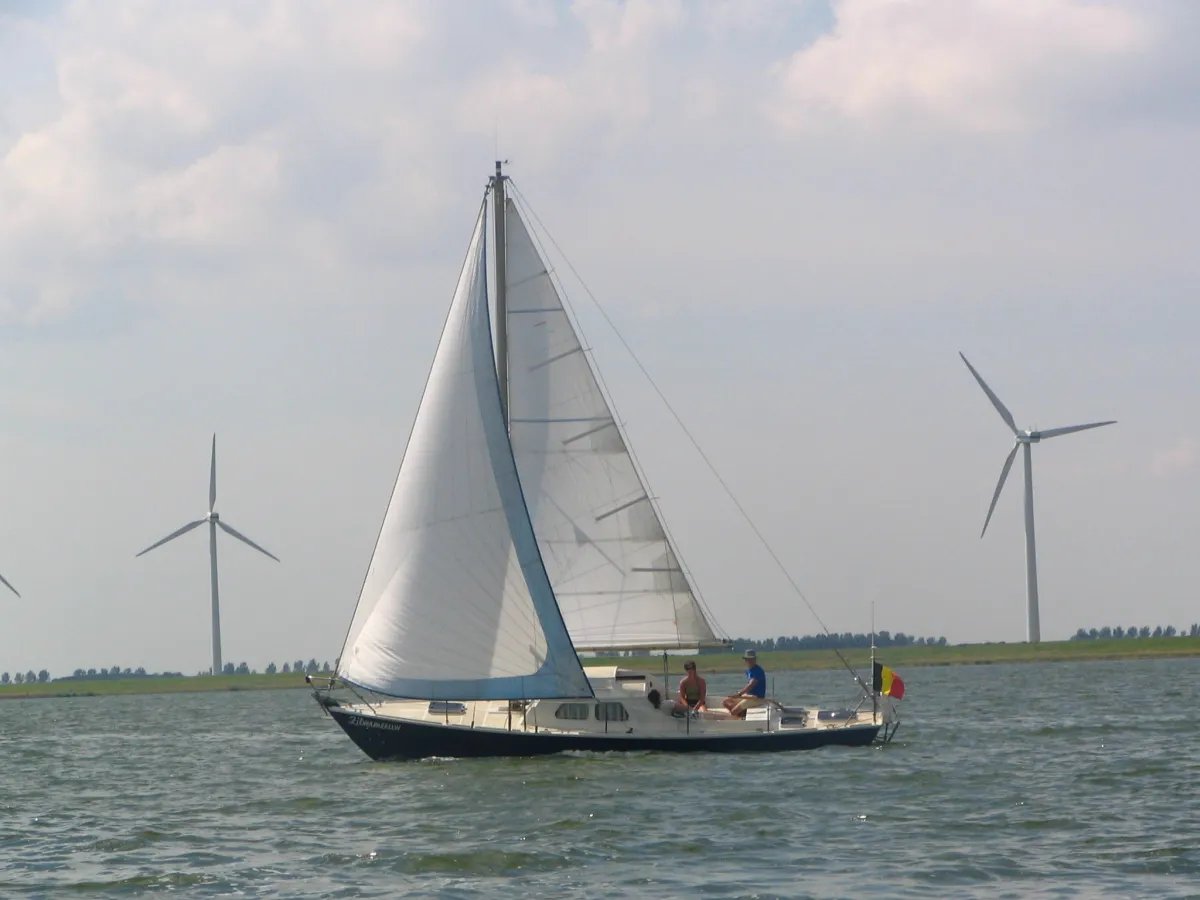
618,582
456,603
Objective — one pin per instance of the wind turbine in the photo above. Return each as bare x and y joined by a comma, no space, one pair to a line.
214,522
1026,439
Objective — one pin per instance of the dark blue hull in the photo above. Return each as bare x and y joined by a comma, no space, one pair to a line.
384,739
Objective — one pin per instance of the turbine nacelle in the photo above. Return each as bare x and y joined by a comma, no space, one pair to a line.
1034,437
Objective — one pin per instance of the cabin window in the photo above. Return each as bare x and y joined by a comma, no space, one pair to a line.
571,711
611,712
447,708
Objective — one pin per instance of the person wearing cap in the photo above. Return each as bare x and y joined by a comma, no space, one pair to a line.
755,691
693,691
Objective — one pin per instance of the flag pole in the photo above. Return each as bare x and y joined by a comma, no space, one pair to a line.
874,698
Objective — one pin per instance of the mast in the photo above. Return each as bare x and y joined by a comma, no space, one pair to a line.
501,289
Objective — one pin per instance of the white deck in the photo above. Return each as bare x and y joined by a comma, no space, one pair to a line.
622,705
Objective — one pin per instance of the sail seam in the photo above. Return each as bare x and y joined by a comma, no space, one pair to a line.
623,506
552,421
608,424
628,594
527,279
555,359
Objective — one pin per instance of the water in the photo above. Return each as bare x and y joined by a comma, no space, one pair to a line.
1078,779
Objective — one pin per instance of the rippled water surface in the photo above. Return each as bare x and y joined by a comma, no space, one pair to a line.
1078,779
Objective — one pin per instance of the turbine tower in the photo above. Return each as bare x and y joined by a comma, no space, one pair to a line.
214,522
1025,439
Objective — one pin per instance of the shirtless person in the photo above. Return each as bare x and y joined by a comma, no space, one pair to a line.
693,692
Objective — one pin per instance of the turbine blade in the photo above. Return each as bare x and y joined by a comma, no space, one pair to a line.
212,478
9,586
229,529
174,534
1012,454
1000,407
1071,429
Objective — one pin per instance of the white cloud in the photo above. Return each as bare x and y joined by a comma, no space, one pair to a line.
615,25
1175,460
979,65
281,127
181,128
221,198
173,130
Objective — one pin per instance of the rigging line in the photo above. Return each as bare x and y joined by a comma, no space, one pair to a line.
695,444
598,376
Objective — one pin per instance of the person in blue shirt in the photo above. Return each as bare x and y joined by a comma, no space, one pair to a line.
755,691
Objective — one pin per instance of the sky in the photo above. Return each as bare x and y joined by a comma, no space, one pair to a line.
248,219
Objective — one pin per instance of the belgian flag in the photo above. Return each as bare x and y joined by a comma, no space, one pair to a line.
885,681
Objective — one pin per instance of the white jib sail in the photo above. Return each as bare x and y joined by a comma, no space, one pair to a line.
456,603
617,579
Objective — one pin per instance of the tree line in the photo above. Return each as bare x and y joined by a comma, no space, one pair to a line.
30,677
846,640
116,672
1098,634
312,667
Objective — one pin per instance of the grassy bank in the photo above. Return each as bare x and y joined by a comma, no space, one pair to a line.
896,657
951,655
150,685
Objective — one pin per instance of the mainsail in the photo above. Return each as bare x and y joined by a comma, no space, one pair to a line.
456,603
618,581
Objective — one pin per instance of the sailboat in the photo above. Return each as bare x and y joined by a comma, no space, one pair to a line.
519,535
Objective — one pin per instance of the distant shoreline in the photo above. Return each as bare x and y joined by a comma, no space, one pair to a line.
899,658
914,656
149,684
